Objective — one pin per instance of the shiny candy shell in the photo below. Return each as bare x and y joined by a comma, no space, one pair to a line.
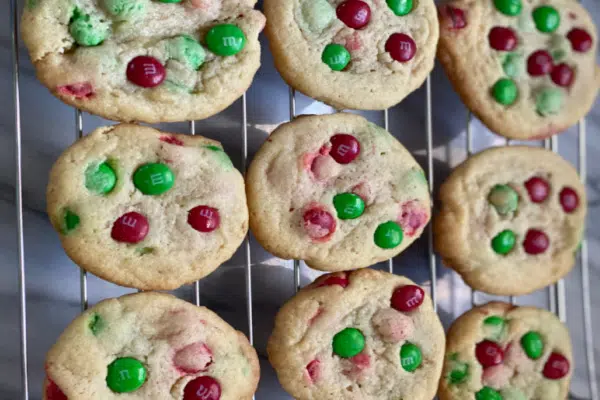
355,14
318,224
348,342
502,39
562,75
504,242
388,235
131,227
536,242
407,298
581,40
100,179
125,375
505,91
487,393
146,71
504,199
344,148
204,218
202,388
546,18
401,47
509,7
225,40
348,206
336,56
489,353
453,18
70,222
538,189
153,178
400,7
533,345
557,367
539,63
410,357
569,200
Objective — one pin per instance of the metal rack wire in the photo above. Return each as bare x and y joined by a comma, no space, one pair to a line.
557,301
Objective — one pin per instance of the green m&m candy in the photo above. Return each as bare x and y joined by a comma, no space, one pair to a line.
348,205
487,393
187,51
336,56
410,357
223,158
504,199
100,178
508,7
546,19
125,375
170,1
153,179
533,345
504,242
225,40
400,7
70,221
505,91
494,327
96,324
348,343
86,29
125,9
388,235
459,371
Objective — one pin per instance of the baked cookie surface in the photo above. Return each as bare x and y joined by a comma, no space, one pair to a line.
150,346
353,54
147,209
503,352
336,191
511,219
527,69
145,60
365,335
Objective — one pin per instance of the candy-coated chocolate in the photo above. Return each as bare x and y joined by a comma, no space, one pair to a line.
153,179
202,388
125,375
348,206
410,357
393,326
400,7
538,189
193,358
508,7
536,242
513,65
459,371
318,15
335,280
146,71
348,342
401,47
413,217
81,90
223,158
355,14
532,344
336,56
100,179
131,227
319,224
505,91
225,40
53,392
96,324
86,29
388,235
511,393
494,327
123,10
562,75
313,369
497,376
70,221
546,18
489,353
407,298
504,242
344,148
548,101
487,393
581,40
502,39
454,18
186,50
204,218
569,200
170,1
539,63
504,199
557,367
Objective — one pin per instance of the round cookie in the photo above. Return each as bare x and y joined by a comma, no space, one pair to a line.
364,334
150,346
147,209
503,352
353,54
336,191
145,60
511,219
535,63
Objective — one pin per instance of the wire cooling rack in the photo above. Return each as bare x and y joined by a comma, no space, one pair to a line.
556,293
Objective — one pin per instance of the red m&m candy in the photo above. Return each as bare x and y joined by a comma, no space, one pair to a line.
536,242
319,224
556,367
335,280
581,40
569,200
354,13
502,39
538,189
562,75
453,18
407,298
401,47
53,392
145,71
344,148
204,218
130,228
202,388
489,353
539,63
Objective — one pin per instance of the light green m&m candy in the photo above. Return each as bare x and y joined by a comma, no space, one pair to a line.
170,1
548,101
513,65
505,91
125,375
504,242
388,235
153,179
487,393
221,156
533,345
546,19
348,343
459,371
348,205
318,15
400,7
504,199
187,51
494,328
508,7
125,9
410,357
70,221
86,29
225,40
336,56
511,393
100,179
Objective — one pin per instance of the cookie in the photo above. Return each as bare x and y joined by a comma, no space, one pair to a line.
503,352
534,63
150,346
144,60
511,219
147,209
364,334
353,54
336,191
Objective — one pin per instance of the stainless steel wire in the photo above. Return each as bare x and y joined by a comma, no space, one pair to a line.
249,308
197,283
429,134
297,269
386,125
83,287
469,154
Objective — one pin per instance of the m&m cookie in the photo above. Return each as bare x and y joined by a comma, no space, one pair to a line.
503,352
147,209
363,334
526,68
511,219
336,191
150,346
358,54
145,60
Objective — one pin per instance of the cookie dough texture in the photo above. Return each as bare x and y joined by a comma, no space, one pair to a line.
172,253
467,222
473,67
291,173
518,373
299,30
93,78
161,331
307,323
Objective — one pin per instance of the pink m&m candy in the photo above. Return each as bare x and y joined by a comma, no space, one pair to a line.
556,367
204,218
489,353
354,13
130,228
313,369
407,298
319,224
453,18
344,148
202,388
401,47
146,71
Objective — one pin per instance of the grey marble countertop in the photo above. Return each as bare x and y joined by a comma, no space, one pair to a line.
53,290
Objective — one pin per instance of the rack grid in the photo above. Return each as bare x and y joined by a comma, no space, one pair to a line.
556,293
